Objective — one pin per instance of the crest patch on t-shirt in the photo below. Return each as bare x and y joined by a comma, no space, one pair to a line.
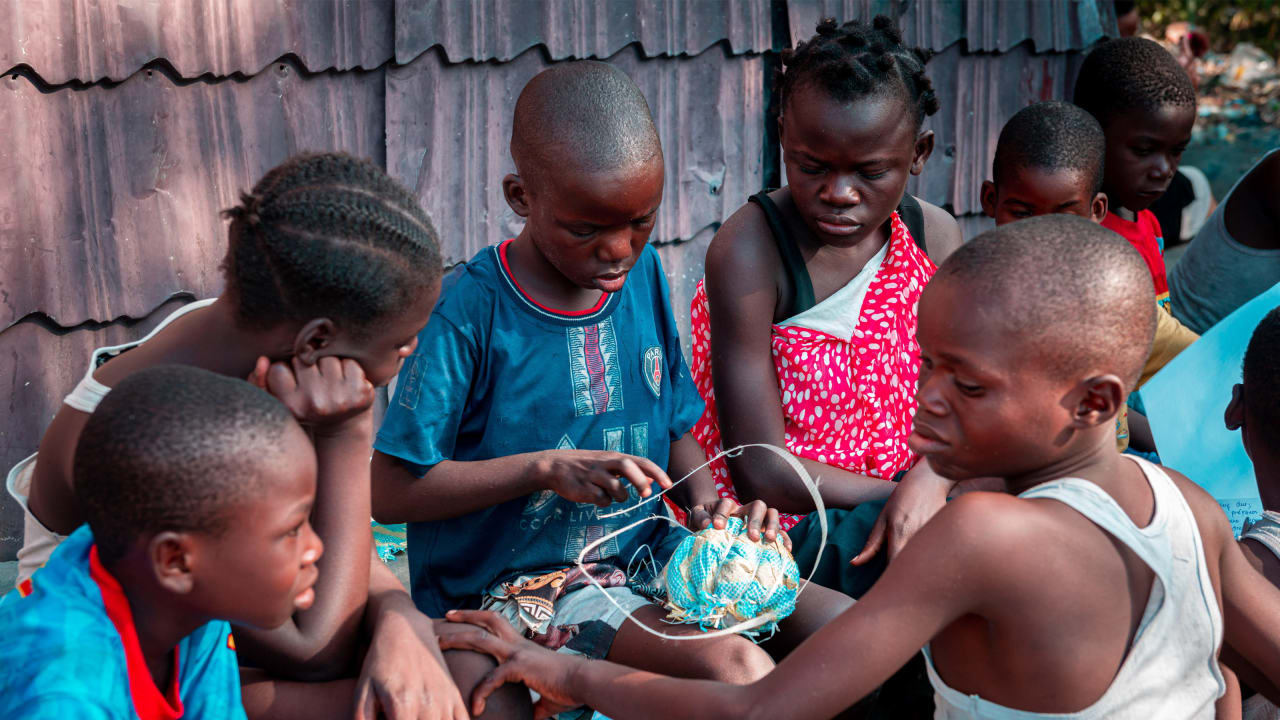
652,367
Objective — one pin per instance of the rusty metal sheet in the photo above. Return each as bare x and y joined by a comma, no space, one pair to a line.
982,25
91,40
37,369
978,94
480,30
449,127
118,189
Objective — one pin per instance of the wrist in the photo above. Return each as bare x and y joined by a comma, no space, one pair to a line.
537,471
357,428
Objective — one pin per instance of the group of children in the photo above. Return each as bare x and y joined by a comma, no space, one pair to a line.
541,392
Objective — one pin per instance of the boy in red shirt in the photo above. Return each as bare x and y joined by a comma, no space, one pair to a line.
1146,106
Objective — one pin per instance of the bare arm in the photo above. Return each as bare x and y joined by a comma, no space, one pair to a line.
742,295
319,643
453,488
52,497
935,581
1250,604
941,232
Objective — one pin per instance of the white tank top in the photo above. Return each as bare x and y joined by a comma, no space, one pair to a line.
1171,670
1264,530
86,395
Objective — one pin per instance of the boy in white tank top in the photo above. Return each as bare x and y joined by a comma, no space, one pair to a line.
1094,588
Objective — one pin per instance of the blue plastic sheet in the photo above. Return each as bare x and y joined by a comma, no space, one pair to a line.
1185,403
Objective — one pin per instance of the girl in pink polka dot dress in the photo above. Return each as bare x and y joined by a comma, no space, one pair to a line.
804,325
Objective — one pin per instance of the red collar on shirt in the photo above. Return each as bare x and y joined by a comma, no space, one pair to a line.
502,254
148,702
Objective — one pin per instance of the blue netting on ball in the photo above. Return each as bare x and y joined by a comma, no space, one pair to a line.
719,578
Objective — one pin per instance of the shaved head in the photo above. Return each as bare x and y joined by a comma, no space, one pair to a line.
1078,294
588,115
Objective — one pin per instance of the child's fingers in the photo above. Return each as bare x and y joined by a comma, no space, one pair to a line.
771,525
698,518
281,380
630,470
366,709
652,471
491,681
874,541
258,376
608,483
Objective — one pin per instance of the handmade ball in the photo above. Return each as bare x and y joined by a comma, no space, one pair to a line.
719,578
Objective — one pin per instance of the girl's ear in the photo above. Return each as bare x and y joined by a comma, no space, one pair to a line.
1100,400
1234,416
988,198
923,149
517,194
315,336
1098,208
173,559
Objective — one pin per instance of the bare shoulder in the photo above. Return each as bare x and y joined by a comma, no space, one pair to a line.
986,527
1215,530
941,231
742,253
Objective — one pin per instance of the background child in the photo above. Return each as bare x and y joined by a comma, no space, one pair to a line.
197,487
1146,106
1255,412
1049,159
331,270
1064,598
548,384
811,289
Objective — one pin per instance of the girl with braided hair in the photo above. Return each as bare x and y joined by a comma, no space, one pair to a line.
804,325
332,269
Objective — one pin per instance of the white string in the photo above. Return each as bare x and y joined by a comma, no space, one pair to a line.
809,483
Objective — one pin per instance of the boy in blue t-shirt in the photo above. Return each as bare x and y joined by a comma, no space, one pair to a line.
198,488
548,386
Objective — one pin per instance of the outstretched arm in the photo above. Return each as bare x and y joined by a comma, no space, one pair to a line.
742,294
934,581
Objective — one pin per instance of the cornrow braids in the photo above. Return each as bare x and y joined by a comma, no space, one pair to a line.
857,59
328,235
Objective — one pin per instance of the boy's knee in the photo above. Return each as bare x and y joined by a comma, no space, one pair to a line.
469,668
735,660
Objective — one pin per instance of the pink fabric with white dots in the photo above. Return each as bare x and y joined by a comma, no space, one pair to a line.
847,403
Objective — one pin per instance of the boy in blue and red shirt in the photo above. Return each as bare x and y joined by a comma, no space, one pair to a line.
198,488
549,385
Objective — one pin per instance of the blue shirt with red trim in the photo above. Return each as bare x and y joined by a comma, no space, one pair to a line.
69,649
497,374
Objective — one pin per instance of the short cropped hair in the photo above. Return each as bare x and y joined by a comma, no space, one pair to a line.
329,235
1078,293
1262,377
1052,136
174,448
1128,74
588,113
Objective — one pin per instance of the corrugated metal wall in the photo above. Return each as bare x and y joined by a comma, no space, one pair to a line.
131,124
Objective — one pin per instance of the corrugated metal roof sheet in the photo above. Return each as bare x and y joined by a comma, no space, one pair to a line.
449,126
982,25
978,94
89,40
37,369
121,186
479,30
